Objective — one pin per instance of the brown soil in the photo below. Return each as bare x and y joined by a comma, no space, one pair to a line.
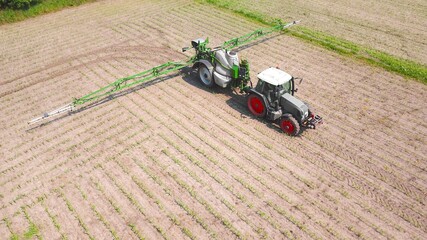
176,160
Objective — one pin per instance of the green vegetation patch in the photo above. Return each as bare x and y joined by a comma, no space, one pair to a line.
17,4
389,62
34,8
31,232
404,67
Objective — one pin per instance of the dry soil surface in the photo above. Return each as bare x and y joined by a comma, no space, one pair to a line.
396,27
175,160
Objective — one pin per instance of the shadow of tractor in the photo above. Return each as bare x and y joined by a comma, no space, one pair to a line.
236,101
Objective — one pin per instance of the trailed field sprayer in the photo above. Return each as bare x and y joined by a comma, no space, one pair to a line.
272,98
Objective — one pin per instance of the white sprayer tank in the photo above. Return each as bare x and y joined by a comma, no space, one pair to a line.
224,62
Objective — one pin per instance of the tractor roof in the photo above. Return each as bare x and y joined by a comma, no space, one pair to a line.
274,76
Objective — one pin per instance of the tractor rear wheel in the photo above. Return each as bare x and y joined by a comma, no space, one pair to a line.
206,76
256,105
289,125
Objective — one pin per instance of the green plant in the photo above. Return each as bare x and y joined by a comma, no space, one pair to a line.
76,215
18,4
18,10
207,206
54,221
136,231
32,228
32,231
136,204
104,221
8,225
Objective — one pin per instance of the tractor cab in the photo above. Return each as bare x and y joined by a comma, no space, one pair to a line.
273,99
273,83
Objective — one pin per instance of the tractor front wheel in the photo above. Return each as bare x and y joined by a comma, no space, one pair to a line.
206,76
289,125
256,105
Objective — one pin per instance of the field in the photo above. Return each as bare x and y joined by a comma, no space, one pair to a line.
395,27
174,160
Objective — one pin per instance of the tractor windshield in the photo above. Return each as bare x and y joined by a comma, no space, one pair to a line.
286,87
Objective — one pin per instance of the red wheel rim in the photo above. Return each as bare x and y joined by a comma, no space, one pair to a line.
288,127
257,105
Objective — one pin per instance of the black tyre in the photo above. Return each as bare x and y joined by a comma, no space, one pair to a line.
206,76
289,125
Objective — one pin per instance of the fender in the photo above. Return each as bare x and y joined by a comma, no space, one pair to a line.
264,99
204,62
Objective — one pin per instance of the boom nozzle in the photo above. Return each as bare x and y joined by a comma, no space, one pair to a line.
291,24
61,110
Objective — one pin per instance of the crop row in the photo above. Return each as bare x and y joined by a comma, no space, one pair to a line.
231,145
151,113
250,188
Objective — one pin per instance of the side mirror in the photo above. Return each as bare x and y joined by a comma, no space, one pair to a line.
300,80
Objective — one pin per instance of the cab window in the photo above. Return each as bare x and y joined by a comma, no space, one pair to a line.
260,85
287,86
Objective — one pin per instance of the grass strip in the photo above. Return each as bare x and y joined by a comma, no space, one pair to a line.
403,67
46,6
